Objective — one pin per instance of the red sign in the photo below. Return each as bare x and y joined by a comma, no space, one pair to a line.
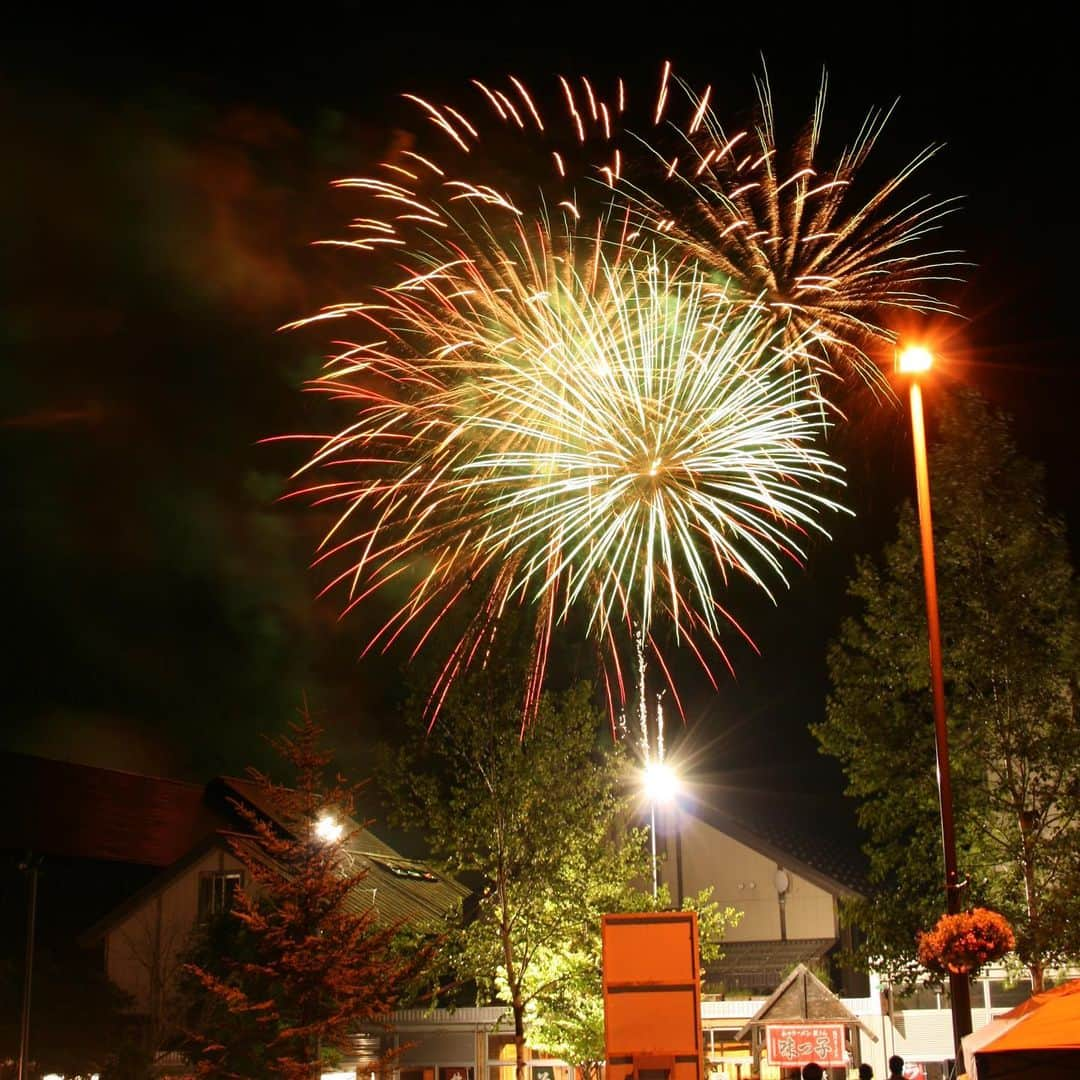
799,1044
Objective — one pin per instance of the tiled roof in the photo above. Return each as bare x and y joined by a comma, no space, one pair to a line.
400,890
755,955
760,965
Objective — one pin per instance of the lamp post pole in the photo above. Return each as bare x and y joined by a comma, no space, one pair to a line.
328,832
652,840
959,988
31,865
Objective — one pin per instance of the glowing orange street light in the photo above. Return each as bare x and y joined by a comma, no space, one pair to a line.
916,361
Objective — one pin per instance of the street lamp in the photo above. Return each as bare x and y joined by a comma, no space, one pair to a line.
661,786
916,361
328,829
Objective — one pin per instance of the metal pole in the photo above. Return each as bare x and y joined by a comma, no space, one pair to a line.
31,865
652,838
959,989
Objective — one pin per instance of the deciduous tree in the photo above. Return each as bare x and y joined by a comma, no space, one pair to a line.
1009,626
539,821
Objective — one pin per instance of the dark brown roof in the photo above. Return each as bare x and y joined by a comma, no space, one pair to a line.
77,811
65,810
794,836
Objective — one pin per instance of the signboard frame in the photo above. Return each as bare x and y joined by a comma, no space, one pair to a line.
652,996
798,1043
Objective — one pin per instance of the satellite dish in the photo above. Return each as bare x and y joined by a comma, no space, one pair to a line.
782,881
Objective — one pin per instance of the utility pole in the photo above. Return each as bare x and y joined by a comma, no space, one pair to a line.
31,864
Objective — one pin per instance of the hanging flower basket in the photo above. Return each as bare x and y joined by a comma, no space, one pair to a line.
961,944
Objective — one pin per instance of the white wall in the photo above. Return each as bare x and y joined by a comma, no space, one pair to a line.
141,951
745,880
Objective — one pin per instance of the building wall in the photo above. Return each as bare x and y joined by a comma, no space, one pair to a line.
745,880
435,1046
141,952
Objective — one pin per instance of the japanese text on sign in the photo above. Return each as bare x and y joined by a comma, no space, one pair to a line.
798,1044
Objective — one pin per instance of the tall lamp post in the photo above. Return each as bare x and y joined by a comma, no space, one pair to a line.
916,361
661,787
32,864
328,831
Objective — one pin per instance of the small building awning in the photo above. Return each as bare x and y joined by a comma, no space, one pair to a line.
758,965
802,996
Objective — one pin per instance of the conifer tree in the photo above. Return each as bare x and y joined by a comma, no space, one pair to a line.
300,960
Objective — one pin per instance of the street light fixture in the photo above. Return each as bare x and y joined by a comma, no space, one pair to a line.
916,361
661,786
328,829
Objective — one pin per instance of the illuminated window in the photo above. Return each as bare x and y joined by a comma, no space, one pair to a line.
217,891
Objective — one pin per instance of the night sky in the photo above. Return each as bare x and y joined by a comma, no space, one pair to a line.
163,177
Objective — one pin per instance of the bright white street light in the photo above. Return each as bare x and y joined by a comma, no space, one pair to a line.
661,786
328,829
661,783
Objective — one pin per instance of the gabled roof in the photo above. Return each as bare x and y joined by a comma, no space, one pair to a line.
802,996
794,836
399,889
130,904
66,810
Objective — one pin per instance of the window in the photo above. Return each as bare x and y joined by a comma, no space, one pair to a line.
217,890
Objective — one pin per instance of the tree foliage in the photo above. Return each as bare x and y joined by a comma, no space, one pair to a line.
538,822
298,962
566,1019
1008,610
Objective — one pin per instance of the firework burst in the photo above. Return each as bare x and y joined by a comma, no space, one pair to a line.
828,257
787,230
562,425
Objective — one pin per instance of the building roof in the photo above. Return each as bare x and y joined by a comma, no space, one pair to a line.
802,996
399,890
754,965
789,831
67,810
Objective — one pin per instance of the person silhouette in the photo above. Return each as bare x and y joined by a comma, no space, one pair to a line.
866,1072
812,1071
896,1067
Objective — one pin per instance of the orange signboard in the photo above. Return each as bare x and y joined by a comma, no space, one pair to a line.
652,996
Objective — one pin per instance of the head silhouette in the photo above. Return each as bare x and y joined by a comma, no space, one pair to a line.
812,1071
896,1065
